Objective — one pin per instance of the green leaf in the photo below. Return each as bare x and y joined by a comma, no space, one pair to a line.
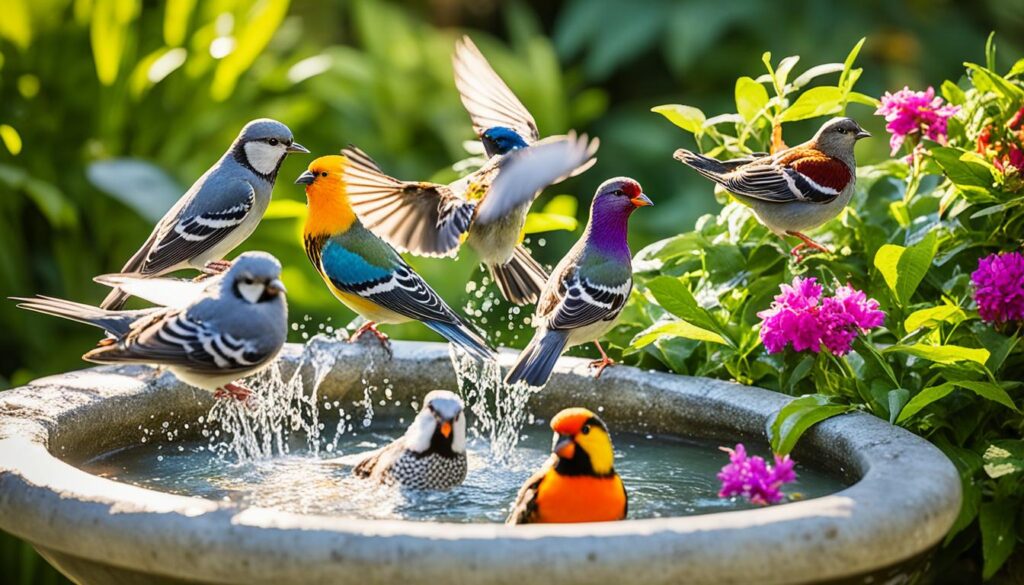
799,372
815,102
904,268
963,172
11,139
816,71
941,354
675,297
863,99
686,117
751,98
987,80
990,51
785,66
260,26
998,533
897,399
1017,69
953,93
844,79
1004,457
16,25
866,350
674,329
933,317
109,34
176,17
989,390
923,399
800,415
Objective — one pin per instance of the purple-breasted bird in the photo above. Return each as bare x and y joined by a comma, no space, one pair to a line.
796,189
587,289
486,208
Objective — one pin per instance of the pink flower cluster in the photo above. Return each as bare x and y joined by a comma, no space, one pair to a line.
915,112
754,479
800,317
999,287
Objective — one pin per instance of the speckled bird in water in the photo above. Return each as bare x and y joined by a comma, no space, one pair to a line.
431,455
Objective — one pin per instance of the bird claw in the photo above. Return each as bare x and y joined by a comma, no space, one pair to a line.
805,243
232,390
371,327
601,364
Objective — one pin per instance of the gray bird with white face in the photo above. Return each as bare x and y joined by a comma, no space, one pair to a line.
431,455
219,211
208,333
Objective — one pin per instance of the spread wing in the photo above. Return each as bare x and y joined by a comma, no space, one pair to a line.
422,218
524,173
199,227
579,301
172,338
377,461
524,510
795,175
485,95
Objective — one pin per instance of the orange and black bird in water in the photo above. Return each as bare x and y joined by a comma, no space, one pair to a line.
578,483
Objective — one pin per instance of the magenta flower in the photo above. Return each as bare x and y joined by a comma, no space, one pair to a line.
801,317
915,112
999,287
754,479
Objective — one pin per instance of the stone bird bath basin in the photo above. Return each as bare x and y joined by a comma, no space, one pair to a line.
903,497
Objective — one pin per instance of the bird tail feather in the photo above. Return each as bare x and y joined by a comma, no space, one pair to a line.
521,279
462,334
117,297
535,364
705,165
115,322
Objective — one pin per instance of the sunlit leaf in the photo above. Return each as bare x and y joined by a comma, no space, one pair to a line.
11,139
674,329
176,17
814,72
800,415
260,26
896,400
904,268
751,98
686,117
817,101
986,390
1004,457
15,24
109,29
844,78
933,316
941,354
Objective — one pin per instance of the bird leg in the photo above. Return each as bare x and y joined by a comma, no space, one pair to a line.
232,390
805,243
371,327
602,363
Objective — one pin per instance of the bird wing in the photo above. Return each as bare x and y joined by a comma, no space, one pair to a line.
378,460
427,219
579,301
524,173
485,95
173,338
176,293
199,227
524,510
386,280
798,174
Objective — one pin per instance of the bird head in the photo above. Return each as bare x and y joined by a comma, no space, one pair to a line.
582,443
501,140
255,277
329,208
264,143
838,136
620,195
440,425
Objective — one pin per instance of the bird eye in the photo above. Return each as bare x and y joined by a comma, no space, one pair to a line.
585,430
323,174
272,142
842,130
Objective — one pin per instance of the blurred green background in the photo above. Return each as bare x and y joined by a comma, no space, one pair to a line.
109,109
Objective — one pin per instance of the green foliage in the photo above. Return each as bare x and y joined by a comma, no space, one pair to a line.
910,239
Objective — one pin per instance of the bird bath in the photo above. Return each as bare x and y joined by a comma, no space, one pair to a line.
903,494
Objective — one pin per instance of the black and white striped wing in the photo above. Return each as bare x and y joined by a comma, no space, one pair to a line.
777,184
524,173
426,219
403,292
171,338
485,95
584,302
198,230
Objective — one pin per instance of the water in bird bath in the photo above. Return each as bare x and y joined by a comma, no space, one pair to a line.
665,476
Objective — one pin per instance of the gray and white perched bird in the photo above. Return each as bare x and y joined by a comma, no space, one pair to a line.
588,288
219,211
208,333
795,189
431,455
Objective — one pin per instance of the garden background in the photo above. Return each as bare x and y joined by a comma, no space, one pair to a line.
109,109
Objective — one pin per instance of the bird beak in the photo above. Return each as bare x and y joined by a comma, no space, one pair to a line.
642,200
276,286
446,429
295,147
306,178
862,133
565,448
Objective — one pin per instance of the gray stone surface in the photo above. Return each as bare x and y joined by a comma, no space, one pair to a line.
904,495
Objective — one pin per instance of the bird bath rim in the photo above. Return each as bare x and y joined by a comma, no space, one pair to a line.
905,497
